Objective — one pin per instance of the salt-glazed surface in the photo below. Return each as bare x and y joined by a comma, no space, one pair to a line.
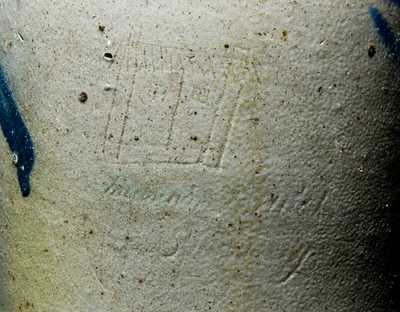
209,155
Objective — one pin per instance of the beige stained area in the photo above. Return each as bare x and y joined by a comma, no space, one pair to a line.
226,159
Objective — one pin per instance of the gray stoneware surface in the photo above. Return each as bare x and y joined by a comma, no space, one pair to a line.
230,156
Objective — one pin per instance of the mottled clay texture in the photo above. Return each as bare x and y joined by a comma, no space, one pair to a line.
231,156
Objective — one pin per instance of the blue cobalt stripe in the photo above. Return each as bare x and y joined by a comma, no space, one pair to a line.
396,2
387,36
17,135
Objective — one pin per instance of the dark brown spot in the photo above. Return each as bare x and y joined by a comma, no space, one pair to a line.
371,50
83,97
285,35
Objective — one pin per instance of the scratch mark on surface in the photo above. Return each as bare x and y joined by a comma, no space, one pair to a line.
108,122
124,122
109,187
278,205
114,99
321,202
228,136
217,109
298,265
176,107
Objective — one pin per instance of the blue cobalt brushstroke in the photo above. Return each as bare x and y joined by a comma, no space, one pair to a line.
17,135
389,39
396,2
